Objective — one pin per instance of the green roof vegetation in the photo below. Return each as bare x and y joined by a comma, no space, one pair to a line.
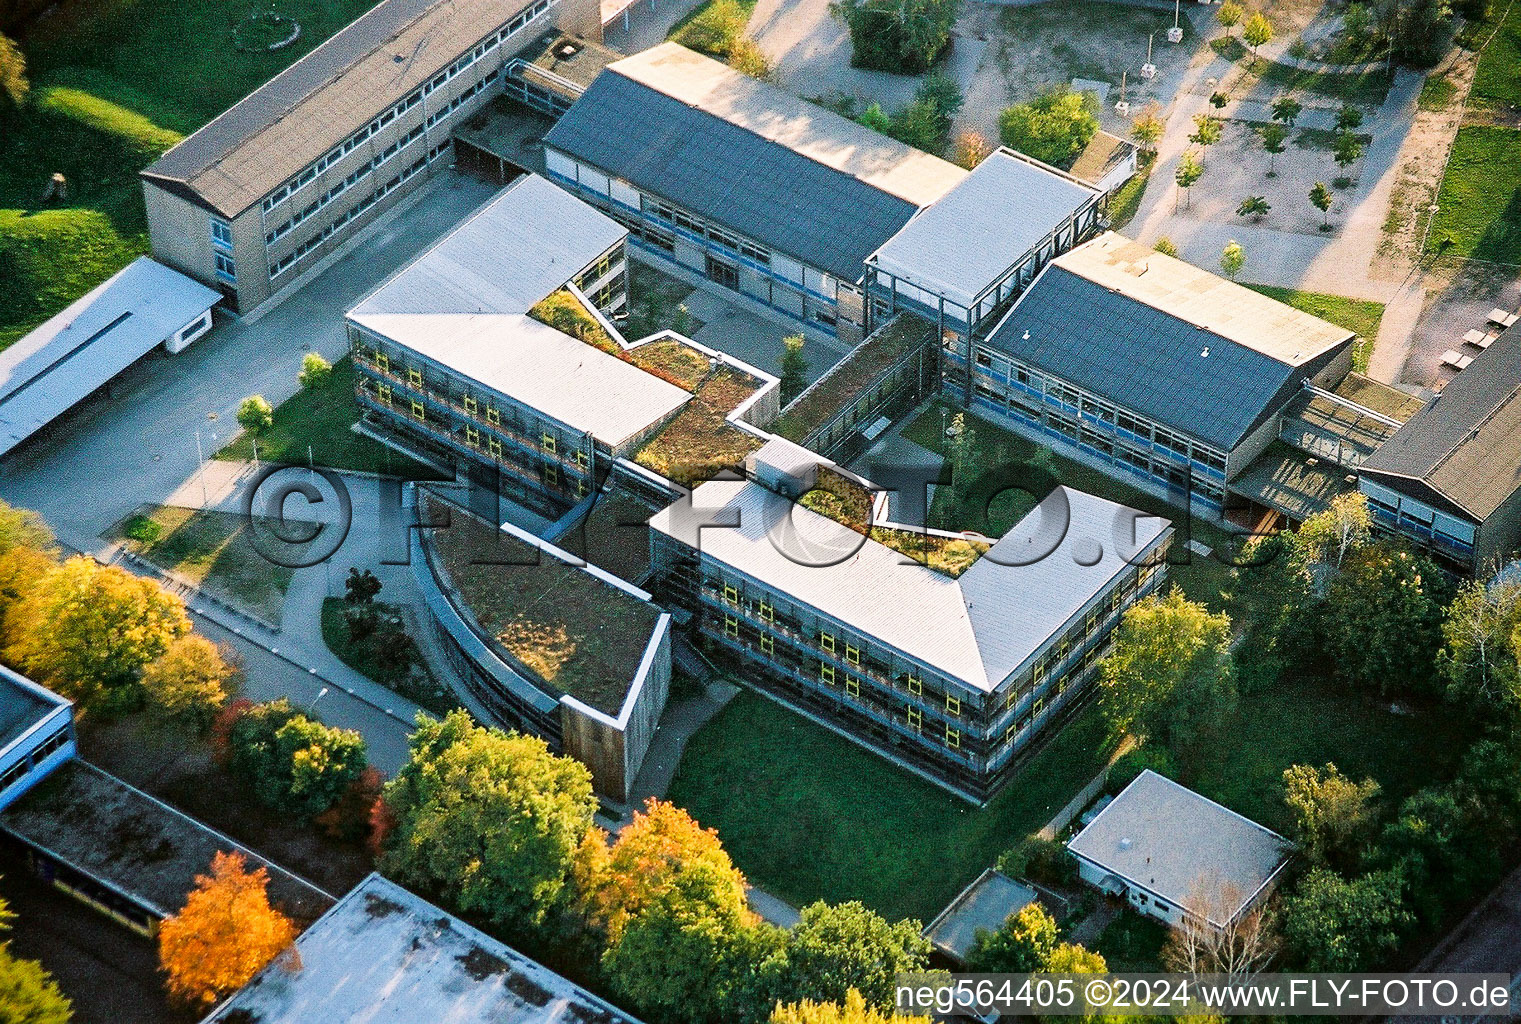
850,504
842,385
699,441
673,362
564,312
578,634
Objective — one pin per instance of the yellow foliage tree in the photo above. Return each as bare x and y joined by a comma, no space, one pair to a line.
190,680
224,936
855,1011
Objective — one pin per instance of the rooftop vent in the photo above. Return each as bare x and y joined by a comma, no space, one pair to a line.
1125,844
1205,353
567,50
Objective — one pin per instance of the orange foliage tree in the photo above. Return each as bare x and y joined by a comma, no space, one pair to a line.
224,936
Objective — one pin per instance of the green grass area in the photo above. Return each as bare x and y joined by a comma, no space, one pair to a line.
1127,200
1437,92
1009,474
655,303
1369,88
319,418
713,26
49,259
1479,203
1497,79
408,677
215,551
809,815
1360,315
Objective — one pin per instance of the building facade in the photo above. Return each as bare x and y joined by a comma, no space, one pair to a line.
283,178
37,730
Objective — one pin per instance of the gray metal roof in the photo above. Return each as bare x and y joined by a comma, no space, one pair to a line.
93,339
978,628
1466,443
1168,839
23,704
744,154
273,133
1174,343
970,237
383,955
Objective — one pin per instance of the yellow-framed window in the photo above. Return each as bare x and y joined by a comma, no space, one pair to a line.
826,672
852,686
414,378
581,488
494,446
767,643
915,719
731,593
853,654
731,626
494,416
418,413
1038,706
1010,732
547,440
552,475
767,611
383,392
952,704
581,458
1008,702
473,436
953,738
915,685
471,405
826,641
383,362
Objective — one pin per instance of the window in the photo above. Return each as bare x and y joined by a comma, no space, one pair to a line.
953,738
731,626
548,441
915,685
494,446
227,270
473,437
471,406
417,411
494,416
915,719
853,655
852,686
731,593
826,641
952,705
382,362
383,392
414,378
221,234
826,672
581,458
552,475
767,644
767,611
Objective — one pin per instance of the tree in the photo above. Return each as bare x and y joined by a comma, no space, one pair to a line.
492,821
255,415
1021,945
1169,675
1333,815
13,81
1189,171
1232,258
1255,207
1054,127
1286,110
1320,198
28,993
1071,958
226,933
1334,924
315,370
361,587
190,680
1273,137
1349,118
1229,16
1207,131
1258,32
1439,844
1478,659
853,1011
1148,127
86,630
1343,526
1200,944
963,447
1347,150
1381,621
901,36
971,149
834,950
1165,246
294,763
23,528
794,367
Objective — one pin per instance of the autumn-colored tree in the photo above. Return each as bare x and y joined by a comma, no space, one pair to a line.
1148,127
225,934
190,680
970,148
13,82
1020,945
352,817
853,1011
86,630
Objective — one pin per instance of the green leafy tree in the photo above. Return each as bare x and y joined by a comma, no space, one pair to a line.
1232,259
1440,845
492,821
28,994
836,949
1229,15
293,763
901,36
1255,207
1381,621
1189,171
1166,247
1478,660
189,681
1349,118
315,370
1169,675
256,415
1207,132
1335,924
1347,150
13,82
1321,198
1257,32
1021,945
1054,127
1333,816
87,630
1286,110
1343,526
1148,128
361,587
1274,135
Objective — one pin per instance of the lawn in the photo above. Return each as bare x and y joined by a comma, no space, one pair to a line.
319,418
1368,88
1127,200
416,684
214,551
655,303
1497,79
1360,315
809,815
1479,203
853,376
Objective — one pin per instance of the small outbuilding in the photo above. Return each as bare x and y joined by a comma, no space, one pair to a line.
1173,854
983,906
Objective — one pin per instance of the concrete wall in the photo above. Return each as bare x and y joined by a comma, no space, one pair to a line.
614,749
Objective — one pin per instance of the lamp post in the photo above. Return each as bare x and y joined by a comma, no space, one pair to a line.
320,694
1149,70
1175,34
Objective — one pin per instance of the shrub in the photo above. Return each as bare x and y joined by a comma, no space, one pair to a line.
1040,860
1054,127
1126,767
906,37
293,763
746,58
715,29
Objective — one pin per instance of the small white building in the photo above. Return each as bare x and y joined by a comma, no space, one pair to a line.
96,337
1171,852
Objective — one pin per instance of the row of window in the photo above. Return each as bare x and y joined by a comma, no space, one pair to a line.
44,749
349,181
411,100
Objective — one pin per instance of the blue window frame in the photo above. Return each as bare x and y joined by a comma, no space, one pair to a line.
221,234
227,270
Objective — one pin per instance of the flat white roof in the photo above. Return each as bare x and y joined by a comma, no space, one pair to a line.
530,362
383,955
977,628
973,234
96,337
1166,838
